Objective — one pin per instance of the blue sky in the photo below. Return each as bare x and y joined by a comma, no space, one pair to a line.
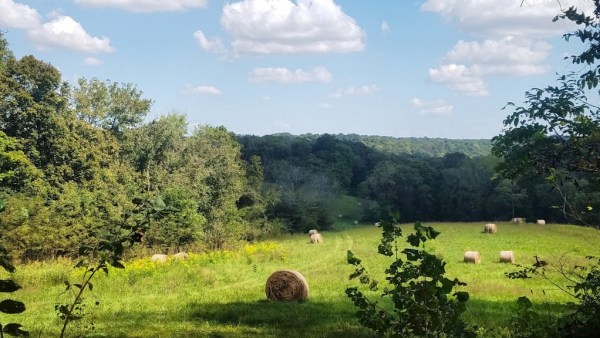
435,68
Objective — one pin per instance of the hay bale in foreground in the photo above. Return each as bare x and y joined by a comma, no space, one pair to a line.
181,256
312,232
490,228
287,286
316,238
159,258
472,257
507,257
541,221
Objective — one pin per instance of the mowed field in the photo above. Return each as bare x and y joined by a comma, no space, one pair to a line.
222,294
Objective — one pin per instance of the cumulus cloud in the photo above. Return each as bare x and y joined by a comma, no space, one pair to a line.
91,61
211,45
505,18
284,75
362,90
438,108
145,5
460,79
65,33
502,57
16,15
512,39
285,26
203,90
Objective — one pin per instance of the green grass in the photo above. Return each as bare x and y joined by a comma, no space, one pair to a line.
222,294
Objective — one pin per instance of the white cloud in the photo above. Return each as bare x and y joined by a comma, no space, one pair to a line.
459,78
492,18
363,90
325,105
214,45
205,90
284,75
438,108
285,26
513,39
502,57
16,15
145,5
91,61
385,27
66,33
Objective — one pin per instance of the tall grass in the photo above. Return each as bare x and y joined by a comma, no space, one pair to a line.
222,294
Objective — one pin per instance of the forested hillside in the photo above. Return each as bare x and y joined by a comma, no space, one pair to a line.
433,147
309,173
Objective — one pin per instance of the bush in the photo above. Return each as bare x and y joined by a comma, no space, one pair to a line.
423,303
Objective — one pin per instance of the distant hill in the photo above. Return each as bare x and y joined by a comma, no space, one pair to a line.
434,147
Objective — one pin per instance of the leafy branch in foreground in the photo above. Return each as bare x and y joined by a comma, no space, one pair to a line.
423,303
583,284
9,306
108,251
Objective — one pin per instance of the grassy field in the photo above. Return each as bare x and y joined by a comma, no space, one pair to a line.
222,294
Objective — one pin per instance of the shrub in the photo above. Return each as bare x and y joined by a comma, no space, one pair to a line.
422,298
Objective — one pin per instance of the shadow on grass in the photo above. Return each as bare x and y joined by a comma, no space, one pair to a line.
274,319
281,319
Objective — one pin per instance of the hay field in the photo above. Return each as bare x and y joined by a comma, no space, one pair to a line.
223,294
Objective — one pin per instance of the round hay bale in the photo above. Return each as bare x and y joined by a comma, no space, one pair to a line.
181,256
316,238
541,221
507,257
517,220
159,258
287,286
490,228
312,232
472,257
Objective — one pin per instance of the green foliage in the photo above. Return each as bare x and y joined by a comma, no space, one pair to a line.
112,106
423,303
9,306
556,133
107,251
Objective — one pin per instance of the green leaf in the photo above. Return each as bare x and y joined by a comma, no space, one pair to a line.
79,286
158,203
462,296
7,285
11,306
352,259
2,205
14,329
524,303
115,263
7,265
80,263
90,286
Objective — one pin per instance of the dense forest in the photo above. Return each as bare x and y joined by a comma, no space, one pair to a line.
73,157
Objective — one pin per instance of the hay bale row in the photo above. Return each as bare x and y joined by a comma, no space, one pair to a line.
541,221
490,228
162,258
474,257
287,286
518,220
